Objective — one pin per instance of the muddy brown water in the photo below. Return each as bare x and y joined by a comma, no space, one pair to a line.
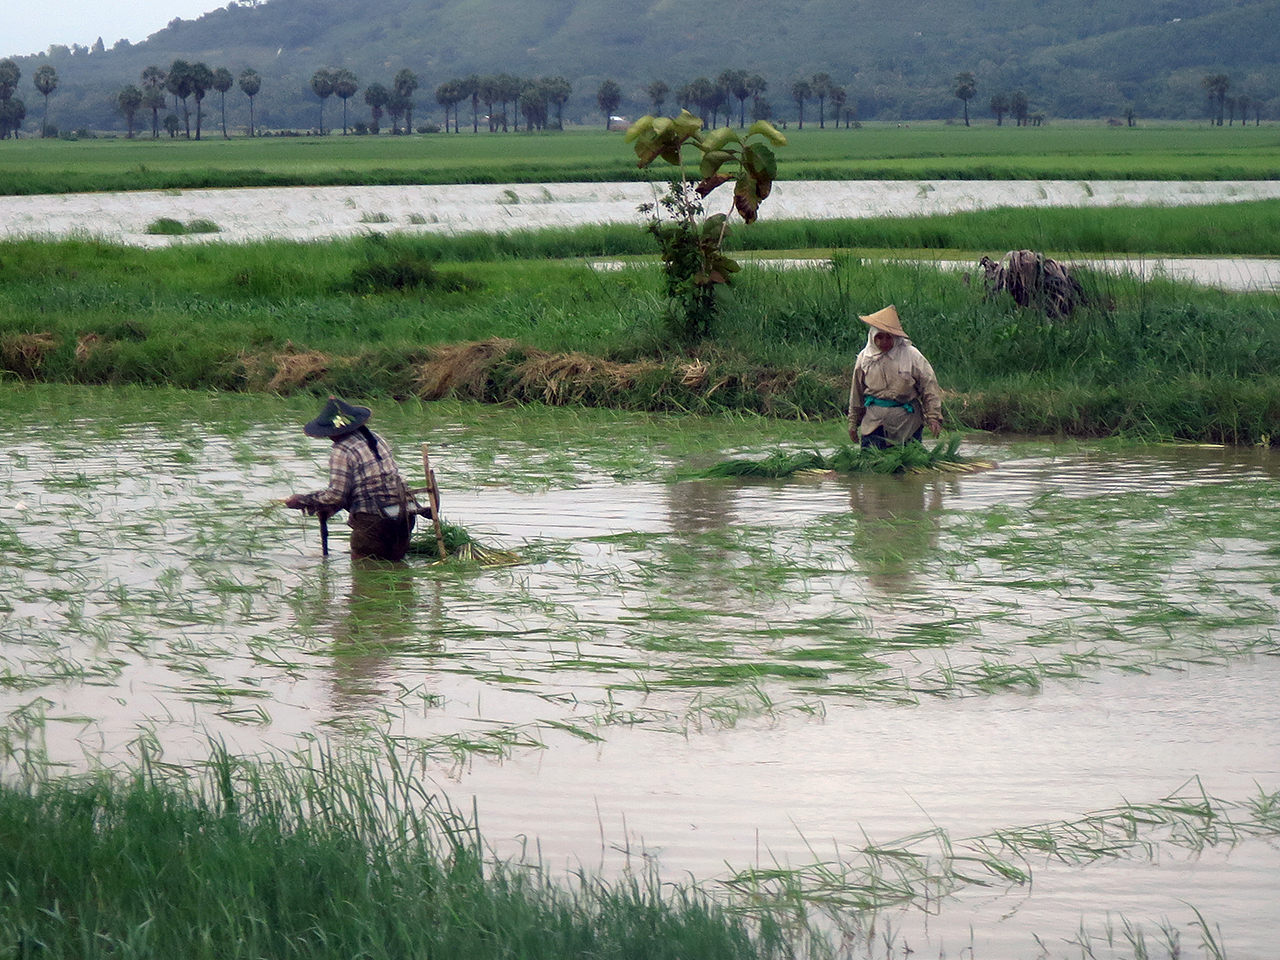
698,676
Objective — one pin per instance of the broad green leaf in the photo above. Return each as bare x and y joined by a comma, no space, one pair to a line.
768,131
759,159
712,162
716,139
642,125
687,124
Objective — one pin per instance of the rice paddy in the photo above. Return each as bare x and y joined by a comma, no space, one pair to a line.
1026,711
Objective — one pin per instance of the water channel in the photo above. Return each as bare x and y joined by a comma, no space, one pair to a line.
316,213
693,676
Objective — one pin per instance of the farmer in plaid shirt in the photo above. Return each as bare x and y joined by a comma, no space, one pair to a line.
364,481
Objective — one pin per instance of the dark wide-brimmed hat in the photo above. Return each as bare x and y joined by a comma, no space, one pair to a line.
337,419
886,320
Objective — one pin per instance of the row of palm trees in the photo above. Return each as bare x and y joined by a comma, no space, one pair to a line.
12,110
708,98
533,99
184,81
539,101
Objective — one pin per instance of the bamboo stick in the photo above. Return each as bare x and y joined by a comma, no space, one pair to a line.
433,494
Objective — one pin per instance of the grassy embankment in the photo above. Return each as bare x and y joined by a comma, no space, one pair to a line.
521,317
924,151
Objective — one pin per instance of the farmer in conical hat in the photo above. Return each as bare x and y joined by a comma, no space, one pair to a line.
364,481
894,393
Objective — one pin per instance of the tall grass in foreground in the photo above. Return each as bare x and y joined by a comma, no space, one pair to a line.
319,860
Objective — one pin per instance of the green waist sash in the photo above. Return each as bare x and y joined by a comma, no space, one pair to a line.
881,402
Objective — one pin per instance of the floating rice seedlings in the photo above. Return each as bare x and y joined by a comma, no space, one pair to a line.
926,867
907,458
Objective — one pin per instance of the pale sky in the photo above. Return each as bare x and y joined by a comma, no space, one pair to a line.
29,26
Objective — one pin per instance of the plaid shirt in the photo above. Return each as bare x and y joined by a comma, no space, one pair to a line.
358,481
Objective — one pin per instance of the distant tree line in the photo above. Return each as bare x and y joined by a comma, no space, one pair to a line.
175,97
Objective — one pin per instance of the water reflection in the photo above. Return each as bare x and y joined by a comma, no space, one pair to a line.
898,530
386,612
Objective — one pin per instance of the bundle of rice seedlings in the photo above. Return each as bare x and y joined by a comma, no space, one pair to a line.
907,458
459,545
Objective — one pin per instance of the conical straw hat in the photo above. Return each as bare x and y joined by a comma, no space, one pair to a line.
886,320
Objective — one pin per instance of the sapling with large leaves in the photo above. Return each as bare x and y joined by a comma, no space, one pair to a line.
692,246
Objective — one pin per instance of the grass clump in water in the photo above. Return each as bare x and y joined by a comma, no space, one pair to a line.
169,227
319,859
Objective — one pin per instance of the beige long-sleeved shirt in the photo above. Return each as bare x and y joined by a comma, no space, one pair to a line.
901,375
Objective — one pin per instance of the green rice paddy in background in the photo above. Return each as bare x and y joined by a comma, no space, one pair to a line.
876,151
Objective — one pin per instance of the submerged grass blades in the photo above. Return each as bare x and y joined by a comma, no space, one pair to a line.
923,868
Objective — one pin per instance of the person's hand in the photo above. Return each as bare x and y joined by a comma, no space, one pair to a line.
853,431
935,427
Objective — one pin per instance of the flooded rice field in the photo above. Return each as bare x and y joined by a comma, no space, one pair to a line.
318,213
1027,712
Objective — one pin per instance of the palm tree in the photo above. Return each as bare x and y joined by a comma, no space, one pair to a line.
46,81
822,85
322,87
449,94
154,101
153,79
558,90
966,89
657,93
397,105
201,81
756,88
489,96
178,82
405,82
1000,106
533,104
222,82
129,100
472,87
1019,107
250,82
345,86
734,84
701,95
800,92
838,98
10,74
1216,85
376,96
508,90
608,97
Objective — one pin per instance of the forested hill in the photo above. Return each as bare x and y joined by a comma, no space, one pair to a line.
895,60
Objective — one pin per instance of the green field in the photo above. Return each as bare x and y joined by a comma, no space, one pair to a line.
876,151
